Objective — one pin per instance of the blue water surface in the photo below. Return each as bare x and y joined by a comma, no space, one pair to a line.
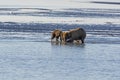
21,60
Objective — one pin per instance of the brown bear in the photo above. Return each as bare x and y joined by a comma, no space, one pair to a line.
56,34
64,36
74,34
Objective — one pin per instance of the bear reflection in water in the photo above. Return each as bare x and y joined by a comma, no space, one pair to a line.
77,35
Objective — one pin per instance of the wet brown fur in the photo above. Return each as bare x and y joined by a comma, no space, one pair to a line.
56,34
74,34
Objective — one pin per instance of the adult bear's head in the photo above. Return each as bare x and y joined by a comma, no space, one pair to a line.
66,36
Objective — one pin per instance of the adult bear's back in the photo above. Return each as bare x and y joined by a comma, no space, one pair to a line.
78,33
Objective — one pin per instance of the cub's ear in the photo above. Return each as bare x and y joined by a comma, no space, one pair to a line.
60,33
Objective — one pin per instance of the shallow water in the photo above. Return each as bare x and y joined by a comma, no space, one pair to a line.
22,60
26,52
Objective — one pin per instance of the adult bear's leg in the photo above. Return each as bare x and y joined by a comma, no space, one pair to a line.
82,40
